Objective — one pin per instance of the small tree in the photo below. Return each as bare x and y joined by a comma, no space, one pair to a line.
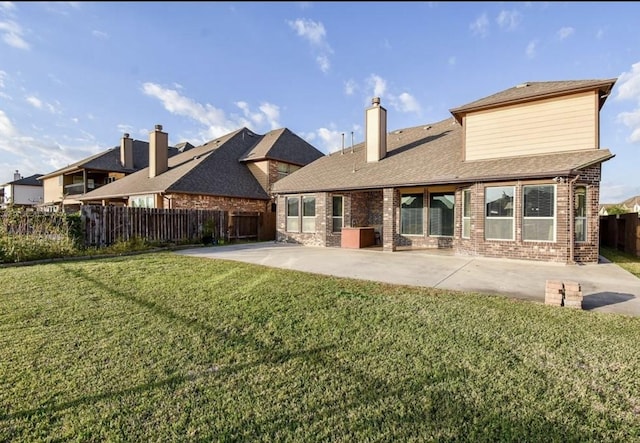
616,210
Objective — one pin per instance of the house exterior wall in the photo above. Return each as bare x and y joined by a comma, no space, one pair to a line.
25,195
320,234
588,251
53,189
231,204
565,123
260,171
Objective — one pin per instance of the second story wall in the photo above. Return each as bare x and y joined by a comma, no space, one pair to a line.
27,195
260,171
559,124
53,189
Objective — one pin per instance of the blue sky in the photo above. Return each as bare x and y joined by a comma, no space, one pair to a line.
74,76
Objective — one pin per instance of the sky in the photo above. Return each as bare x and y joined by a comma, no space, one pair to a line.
75,76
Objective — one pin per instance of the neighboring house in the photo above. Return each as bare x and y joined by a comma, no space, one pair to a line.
22,191
64,187
629,205
231,173
514,175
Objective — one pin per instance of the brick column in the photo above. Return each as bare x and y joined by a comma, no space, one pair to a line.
389,219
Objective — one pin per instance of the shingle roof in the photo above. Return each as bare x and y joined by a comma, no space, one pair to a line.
284,145
536,90
109,160
32,180
631,202
213,168
423,155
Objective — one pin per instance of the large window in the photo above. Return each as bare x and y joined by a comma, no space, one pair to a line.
142,201
441,214
466,213
301,212
411,210
580,203
308,214
293,214
499,223
538,213
337,214
285,169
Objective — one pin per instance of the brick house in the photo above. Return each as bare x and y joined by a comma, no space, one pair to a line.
63,187
515,175
232,173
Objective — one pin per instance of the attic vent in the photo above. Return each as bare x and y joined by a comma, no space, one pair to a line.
398,131
522,85
426,128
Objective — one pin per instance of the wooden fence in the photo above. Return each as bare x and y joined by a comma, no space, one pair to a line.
621,232
104,225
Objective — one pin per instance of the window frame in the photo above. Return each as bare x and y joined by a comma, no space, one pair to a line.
421,212
308,218
584,217
554,217
453,214
487,217
466,219
334,217
289,217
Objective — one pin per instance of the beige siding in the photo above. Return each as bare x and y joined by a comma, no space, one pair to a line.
260,171
567,123
52,189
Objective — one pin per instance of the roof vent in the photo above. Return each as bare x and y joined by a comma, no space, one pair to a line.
523,85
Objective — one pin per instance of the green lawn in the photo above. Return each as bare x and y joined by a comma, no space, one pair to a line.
162,347
626,261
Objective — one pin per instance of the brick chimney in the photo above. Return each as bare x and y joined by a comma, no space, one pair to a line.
376,131
158,152
126,152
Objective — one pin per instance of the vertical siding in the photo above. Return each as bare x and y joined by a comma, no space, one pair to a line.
567,123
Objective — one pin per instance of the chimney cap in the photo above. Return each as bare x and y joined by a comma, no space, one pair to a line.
375,101
158,127
125,135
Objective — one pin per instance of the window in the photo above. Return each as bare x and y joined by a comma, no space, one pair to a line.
499,223
538,222
285,169
466,213
308,214
142,201
337,214
293,214
411,214
441,214
580,203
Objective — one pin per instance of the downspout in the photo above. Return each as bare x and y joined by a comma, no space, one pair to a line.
572,220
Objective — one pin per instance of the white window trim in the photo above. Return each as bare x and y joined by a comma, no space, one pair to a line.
512,218
464,202
287,217
400,218
307,217
586,216
555,215
333,216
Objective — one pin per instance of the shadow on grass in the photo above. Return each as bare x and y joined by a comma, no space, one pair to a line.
600,299
429,404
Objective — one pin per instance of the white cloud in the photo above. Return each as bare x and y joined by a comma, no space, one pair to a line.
452,60
215,120
509,20
350,87
408,103
629,84
3,75
6,127
316,35
377,84
480,26
531,49
272,112
331,140
7,6
565,32
35,102
310,30
629,89
12,35
100,34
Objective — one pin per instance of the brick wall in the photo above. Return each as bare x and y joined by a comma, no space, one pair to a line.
231,204
588,251
317,238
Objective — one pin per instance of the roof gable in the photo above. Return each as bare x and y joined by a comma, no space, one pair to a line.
282,145
530,91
